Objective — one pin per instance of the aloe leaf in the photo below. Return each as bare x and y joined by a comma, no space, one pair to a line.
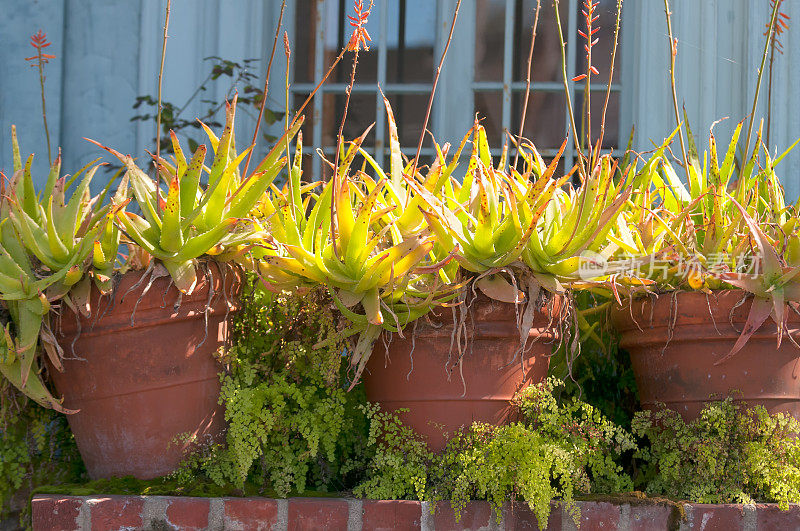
55,171
171,233
190,181
759,311
183,273
200,244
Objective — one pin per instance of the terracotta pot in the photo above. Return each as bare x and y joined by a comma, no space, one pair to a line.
142,380
678,369
419,372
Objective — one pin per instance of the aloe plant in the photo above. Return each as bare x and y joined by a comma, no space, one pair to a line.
730,228
47,244
193,219
351,238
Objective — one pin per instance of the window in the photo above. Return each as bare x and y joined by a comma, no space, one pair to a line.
484,72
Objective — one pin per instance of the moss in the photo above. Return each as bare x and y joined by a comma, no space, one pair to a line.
167,486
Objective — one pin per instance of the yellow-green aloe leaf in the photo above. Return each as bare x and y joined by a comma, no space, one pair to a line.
190,181
15,149
216,195
372,307
498,288
55,171
483,147
727,165
28,322
180,158
356,246
183,273
253,190
33,237
212,137
295,267
198,245
57,248
34,388
171,233
26,194
395,156
142,234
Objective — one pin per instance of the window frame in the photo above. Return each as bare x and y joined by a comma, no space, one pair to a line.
453,107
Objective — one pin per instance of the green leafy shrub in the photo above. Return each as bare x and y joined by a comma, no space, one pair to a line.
557,450
398,459
729,454
292,424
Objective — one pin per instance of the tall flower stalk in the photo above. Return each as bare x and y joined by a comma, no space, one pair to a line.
528,79
673,54
778,26
588,11
360,38
158,117
39,42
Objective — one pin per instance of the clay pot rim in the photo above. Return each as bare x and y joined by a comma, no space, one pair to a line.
191,304
722,316
482,300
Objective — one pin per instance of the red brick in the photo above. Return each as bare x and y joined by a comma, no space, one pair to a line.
317,513
55,513
383,515
648,517
712,517
116,512
250,513
770,516
519,516
598,515
188,513
475,515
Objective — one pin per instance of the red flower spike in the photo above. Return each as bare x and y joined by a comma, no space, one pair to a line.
780,26
588,11
39,41
360,36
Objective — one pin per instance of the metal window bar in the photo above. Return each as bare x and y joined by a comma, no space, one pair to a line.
507,87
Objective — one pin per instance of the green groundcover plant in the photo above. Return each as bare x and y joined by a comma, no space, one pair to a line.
730,454
557,450
293,427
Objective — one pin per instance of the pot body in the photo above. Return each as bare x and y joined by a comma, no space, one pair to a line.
675,364
421,373
142,380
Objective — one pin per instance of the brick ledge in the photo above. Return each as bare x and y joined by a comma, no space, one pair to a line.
79,513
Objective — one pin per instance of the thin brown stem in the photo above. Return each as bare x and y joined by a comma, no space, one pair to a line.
774,15
527,80
348,91
587,87
610,73
264,92
158,117
316,88
433,88
567,92
288,53
44,109
769,94
673,52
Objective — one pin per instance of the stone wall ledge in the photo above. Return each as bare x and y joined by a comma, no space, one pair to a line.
84,513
